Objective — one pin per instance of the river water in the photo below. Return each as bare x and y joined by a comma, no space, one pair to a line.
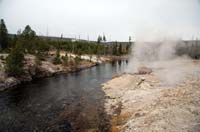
63,103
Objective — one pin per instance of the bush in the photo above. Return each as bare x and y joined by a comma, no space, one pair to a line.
14,62
65,60
57,60
71,62
77,60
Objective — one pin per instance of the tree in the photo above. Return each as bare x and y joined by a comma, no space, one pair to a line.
130,39
41,46
120,49
28,39
28,33
115,49
3,35
127,49
57,60
14,62
99,39
104,38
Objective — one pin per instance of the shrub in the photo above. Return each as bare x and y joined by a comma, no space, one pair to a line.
57,60
65,60
77,60
14,62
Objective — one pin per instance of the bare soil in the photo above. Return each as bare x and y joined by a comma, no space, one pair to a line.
142,103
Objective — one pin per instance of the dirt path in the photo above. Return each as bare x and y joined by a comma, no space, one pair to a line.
141,103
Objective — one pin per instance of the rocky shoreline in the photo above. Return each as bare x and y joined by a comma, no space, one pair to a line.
142,103
48,69
33,71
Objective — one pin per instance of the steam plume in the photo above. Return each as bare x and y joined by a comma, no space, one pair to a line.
160,56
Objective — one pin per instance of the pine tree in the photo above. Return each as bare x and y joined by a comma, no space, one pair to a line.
3,35
115,49
28,39
28,33
99,39
120,49
104,38
127,48
14,62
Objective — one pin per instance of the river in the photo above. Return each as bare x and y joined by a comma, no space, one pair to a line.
63,103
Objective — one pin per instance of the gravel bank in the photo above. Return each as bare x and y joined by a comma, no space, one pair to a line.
142,103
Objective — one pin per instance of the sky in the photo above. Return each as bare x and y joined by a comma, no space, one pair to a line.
117,19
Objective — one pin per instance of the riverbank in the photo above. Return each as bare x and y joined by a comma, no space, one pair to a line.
45,69
143,103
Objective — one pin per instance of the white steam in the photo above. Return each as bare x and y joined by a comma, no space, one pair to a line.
160,56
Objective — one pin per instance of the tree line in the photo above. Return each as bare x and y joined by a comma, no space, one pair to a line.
31,43
28,42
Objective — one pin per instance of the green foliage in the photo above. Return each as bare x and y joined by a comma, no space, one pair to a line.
57,60
65,60
4,39
14,62
28,33
33,44
79,47
77,60
29,40
41,45
128,48
71,62
115,50
120,49
99,39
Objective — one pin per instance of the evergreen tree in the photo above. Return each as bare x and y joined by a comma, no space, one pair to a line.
3,35
115,49
104,38
120,49
127,48
28,33
28,39
99,39
14,62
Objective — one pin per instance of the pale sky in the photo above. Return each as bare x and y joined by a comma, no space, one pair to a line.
117,19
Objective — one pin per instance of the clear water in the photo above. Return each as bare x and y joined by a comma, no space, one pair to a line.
69,102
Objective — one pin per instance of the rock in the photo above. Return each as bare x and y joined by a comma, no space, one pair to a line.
115,76
33,71
144,70
8,83
153,106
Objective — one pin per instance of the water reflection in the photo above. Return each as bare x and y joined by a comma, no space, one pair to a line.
72,102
